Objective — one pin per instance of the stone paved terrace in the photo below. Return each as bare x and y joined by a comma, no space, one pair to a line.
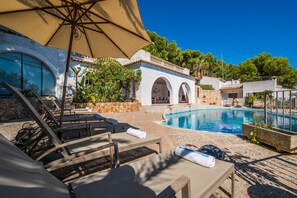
260,170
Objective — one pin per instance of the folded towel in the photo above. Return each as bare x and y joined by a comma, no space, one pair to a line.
97,116
195,156
136,133
90,110
112,121
87,108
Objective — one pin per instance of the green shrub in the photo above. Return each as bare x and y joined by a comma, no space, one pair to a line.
206,87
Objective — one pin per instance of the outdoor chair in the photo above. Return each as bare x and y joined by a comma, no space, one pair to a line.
163,175
67,118
44,143
58,105
240,102
96,121
228,102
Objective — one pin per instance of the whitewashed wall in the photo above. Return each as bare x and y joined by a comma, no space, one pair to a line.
54,58
151,73
226,92
215,82
259,86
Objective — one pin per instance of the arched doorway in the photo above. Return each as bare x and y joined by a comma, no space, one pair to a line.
184,93
161,91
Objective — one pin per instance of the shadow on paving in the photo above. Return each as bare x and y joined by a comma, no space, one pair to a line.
268,191
273,176
71,173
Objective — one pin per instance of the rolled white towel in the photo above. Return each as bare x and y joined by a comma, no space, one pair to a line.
137,133
112,121
195,156
87,108
90,110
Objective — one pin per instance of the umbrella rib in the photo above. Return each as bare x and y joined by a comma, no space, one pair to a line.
94,30
54,15
85,12
64,20
85,3
135,34
55,8
108,37
88,42
30,10
90,23
46,8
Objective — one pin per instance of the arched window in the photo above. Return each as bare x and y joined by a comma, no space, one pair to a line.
25,72
183,93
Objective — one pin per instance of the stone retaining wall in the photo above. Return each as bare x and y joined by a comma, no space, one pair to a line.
11,108
115,107
209,97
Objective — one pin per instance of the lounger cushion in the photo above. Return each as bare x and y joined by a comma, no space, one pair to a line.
21,176
124,140
150,176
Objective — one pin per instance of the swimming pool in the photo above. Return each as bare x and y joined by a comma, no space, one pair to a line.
217,120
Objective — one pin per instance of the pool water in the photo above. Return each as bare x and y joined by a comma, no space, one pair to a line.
218,120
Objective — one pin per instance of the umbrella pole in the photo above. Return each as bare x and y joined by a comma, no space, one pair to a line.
66,76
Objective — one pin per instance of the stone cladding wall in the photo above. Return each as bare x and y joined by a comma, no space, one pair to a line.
115,107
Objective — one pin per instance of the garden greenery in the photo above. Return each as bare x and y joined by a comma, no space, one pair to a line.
106,81
260,67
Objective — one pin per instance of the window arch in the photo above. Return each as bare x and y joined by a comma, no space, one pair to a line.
161,91
184,93
26,72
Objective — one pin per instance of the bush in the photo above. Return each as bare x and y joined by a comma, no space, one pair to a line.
206,87
106,81
250,99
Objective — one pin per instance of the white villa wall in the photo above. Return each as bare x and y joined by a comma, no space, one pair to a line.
215,82
139,55
54,58
151,73
259,86
225,93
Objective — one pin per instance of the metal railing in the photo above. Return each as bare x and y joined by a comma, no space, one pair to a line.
280,109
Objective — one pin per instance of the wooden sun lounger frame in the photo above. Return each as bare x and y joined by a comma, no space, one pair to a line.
62,147
16,166
87,119
68,159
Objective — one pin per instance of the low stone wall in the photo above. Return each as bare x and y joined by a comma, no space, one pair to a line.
115,107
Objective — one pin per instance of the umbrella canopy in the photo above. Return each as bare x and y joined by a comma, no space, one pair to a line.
96,28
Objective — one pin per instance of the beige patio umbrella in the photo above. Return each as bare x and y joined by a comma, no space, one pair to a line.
96,28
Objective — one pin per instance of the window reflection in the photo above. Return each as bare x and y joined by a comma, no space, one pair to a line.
25,72
48,82
32,74
10,70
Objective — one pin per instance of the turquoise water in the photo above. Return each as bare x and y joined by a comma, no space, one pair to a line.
213,120
222,120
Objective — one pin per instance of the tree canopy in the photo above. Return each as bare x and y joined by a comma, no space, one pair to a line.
260,67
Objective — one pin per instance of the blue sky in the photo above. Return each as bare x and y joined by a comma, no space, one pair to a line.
235,29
